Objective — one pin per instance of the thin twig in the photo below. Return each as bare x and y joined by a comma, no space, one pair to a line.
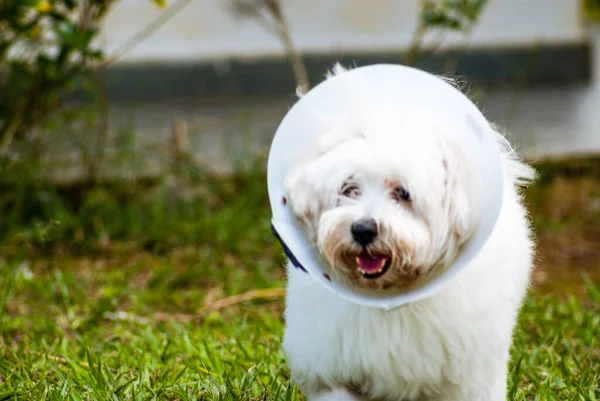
55,358
277,27
11,129
298,66
415,45
271,293
148,31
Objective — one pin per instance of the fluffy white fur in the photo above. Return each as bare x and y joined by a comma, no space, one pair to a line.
453,346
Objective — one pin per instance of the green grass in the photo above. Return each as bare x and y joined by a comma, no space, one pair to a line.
130,327
125,318
130,330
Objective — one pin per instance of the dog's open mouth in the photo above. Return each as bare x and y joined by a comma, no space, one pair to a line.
372,266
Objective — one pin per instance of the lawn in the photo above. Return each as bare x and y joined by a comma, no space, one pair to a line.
124,298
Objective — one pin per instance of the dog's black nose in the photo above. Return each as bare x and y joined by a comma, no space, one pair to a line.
364,231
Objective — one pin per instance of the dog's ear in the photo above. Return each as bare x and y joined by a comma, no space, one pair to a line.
458,194
305,198
307,183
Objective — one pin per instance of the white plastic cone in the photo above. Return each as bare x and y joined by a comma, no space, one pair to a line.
402,89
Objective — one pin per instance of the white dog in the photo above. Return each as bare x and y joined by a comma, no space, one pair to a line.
386,214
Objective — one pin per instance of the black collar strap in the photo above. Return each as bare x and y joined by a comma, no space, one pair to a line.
287,251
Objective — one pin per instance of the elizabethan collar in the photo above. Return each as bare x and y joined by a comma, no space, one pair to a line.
404,90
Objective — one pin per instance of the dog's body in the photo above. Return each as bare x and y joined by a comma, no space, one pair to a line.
452,346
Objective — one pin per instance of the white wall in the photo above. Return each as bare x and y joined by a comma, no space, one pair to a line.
206,29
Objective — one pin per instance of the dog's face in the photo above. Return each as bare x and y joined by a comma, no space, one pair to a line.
384,214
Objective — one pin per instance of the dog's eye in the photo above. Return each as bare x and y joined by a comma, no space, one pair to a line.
401,194
351,191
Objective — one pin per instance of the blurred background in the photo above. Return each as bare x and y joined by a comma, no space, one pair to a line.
134,134
105,104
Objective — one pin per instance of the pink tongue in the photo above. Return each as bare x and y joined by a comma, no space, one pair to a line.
370,264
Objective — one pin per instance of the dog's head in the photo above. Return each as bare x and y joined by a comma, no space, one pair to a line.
384,214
